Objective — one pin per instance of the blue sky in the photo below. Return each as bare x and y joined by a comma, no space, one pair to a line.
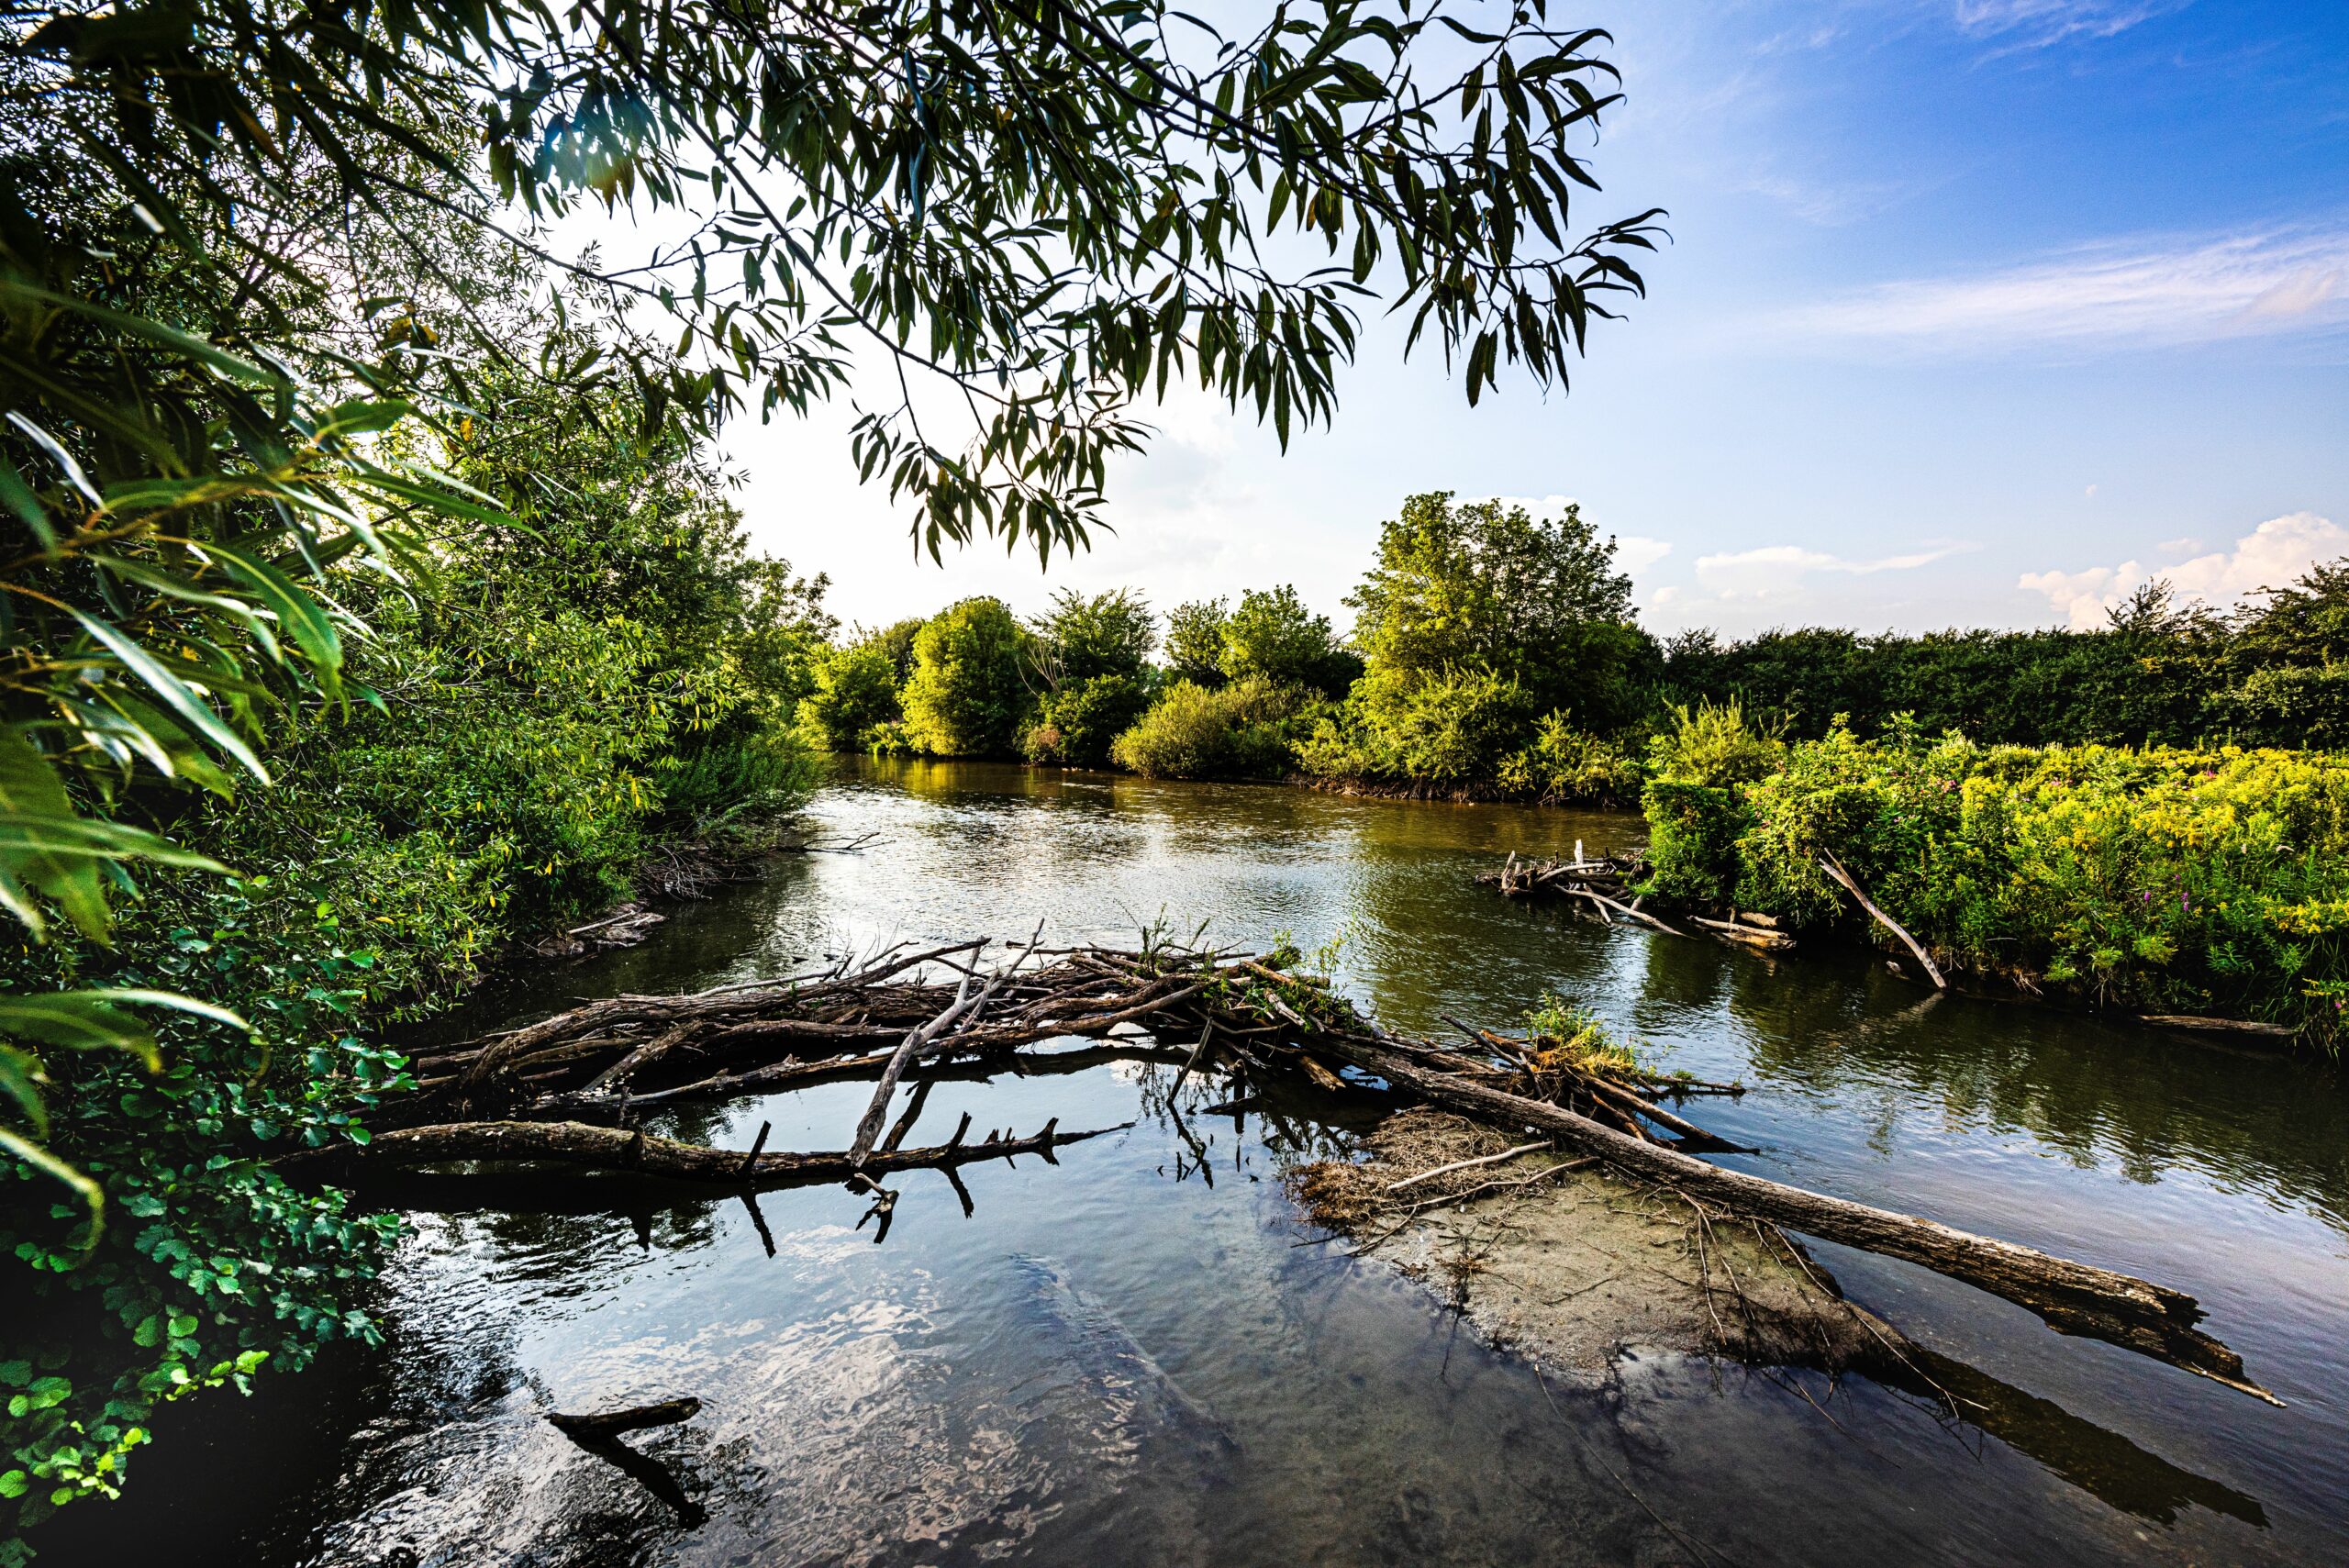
1975,312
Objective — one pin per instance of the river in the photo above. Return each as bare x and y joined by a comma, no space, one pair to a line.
1141,1357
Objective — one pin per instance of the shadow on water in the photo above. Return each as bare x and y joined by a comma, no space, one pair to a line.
1142,1355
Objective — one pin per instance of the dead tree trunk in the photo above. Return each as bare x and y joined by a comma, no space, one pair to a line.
2069,1298
618,1150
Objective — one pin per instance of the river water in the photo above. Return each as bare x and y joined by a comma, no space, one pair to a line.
1141,1356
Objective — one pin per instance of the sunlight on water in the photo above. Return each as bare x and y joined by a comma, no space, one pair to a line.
1132,1359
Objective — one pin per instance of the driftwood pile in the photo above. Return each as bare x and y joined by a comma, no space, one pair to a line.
569,1092
1605,883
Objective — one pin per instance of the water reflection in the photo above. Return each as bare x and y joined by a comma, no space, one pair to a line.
1131,1358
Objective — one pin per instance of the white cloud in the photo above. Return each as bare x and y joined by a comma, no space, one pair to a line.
2103,297
1635,553
2270,556
1782,571
2035,24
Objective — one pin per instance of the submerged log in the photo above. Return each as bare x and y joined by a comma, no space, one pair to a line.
2070,1297
612,1423
2220,1025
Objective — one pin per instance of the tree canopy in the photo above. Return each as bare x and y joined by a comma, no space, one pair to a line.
1482,585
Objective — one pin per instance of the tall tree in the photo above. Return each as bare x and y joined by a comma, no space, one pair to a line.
1478,585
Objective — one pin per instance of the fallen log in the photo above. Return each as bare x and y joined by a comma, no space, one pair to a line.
1768,941
1626,910
2220,1025
2069,1298
637,1152
612,1423
1835,868
575,1111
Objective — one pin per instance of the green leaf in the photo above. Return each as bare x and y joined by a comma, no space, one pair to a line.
176,693
194,348
30,790
18,497
296,610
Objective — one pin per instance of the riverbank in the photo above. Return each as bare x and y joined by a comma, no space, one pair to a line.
2201,883
1114,1350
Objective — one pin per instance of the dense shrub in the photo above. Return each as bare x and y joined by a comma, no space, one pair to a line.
1077,724
2189,880
723,779
2268,673
1566,765
1240,730
1713,745
1693,833
1446,730
969,695
855,693
1091,654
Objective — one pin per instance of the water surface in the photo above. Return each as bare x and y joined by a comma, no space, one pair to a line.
1142,1356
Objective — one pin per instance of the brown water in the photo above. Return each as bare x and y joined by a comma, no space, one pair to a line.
1132,1359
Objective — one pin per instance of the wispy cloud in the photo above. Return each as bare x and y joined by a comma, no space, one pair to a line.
1782,573
2104,297
2037,24
2269,556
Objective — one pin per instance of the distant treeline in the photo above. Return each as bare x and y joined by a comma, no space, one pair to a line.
2271,673
1495,654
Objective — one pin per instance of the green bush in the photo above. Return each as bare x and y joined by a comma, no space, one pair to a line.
2173,881
1078,724
1565,765
1693,832
969,695
724,777
1713,745
1448,731
1240,730
1092,654
856,690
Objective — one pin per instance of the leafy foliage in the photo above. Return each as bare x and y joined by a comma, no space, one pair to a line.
1077,724
1041,209
1446,730
855,693
1194,641
1475,621
969,694
1271,634
1082,636
1242,729
1563,765
2186,881
1480,586
2158,674
1713,745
